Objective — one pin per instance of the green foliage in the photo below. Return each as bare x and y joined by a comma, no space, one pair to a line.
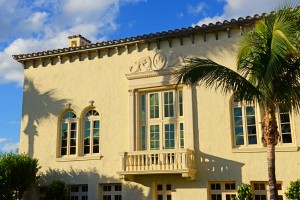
18,173
244,192
57,190
293,192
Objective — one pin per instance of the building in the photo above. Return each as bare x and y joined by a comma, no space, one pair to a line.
108,119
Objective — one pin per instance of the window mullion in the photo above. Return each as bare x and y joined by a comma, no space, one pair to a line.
245,127
68,137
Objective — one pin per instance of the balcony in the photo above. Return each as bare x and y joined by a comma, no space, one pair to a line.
171,161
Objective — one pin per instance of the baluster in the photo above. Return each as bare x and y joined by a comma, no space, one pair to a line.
129,163
165,161
183,156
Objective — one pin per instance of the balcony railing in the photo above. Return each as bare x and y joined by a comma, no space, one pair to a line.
171,161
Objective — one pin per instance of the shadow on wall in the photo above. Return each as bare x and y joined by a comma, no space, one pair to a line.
91,177
36,107
219,169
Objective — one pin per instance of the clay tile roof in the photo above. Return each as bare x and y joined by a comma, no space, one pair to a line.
148,37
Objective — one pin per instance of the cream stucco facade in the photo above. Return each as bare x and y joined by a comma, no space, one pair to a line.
156,141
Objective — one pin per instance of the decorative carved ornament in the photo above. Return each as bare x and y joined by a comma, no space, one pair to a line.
159,61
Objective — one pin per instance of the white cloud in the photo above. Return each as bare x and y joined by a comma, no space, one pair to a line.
7,146
195,9
35,22
3,140
241,8
43,25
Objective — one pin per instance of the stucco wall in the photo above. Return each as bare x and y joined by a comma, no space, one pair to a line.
48,91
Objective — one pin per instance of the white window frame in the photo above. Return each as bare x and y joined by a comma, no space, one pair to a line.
161,121
278,117
222,191
243,106
95,116
69,121
265,192
165,191
112,193
81,194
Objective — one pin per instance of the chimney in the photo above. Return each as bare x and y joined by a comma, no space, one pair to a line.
77,40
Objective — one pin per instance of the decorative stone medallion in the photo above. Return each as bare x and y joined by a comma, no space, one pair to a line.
159,61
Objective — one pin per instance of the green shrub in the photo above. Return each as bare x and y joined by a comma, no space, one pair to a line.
57,190
18,173
244,192
293,192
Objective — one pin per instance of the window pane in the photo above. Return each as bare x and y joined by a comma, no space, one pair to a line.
284,117
118,197
251,130
73,126
143,140
285,128
160,197
87,141
106,188
86,149
238,131
180,103
287,138
252,139
118,187
237,111
64,143
169,136
181,136
63,151
239,140
169,187
96,124
250,120
238,121
96,132
250,110
73,142
72,150
154,105
95,149
96,141
143,107
87,125
159,187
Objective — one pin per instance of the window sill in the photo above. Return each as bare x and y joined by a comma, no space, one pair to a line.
264,149
79,158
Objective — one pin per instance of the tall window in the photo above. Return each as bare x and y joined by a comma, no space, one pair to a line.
245,126
161,120
68,134
91,133
284,127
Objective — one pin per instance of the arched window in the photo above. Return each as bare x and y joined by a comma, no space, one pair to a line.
68,134
244,123
91,127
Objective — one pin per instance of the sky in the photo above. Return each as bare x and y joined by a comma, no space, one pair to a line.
29,26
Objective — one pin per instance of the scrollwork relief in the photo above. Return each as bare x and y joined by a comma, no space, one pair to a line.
157,62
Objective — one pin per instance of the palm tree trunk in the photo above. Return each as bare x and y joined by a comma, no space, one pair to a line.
270,139
271,172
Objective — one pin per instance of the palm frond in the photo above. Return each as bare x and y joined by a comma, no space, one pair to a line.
212,75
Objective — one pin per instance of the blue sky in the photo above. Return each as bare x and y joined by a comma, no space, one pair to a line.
37,25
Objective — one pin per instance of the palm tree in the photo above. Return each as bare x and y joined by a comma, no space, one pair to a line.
267,72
